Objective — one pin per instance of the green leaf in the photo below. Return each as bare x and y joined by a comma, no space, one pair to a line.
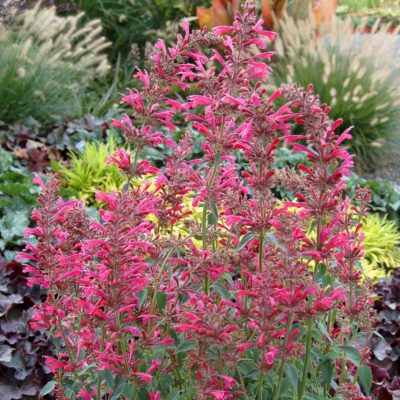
291,373
13,224
272,238
214,210
222,291
310,396
323,329
212,220
327,372
128,390
248,368
48,388
247,238
174,395
184,347
352,354
161,299
107,375
365,378
333,355
142,295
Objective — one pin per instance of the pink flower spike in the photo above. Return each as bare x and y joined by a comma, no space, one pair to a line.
122,159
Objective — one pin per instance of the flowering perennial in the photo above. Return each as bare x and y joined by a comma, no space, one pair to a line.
261,299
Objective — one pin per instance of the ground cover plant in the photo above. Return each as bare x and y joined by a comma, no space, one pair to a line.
262,298
386,347
22,373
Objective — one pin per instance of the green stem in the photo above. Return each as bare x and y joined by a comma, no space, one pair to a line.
309,321
204,237
260,386
157,284
278,388
98,394
242,384
261,251
307,360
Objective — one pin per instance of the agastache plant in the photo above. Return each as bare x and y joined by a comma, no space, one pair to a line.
260,298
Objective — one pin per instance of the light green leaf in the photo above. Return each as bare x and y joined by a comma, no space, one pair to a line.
291,373
48,388
352,354
365,378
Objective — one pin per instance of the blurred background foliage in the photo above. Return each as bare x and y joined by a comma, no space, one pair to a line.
65,63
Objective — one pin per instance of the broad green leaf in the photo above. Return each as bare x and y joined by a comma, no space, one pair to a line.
128,390
332,355
365,378
142,294
291,373
212,220
352,354
161,299
248,368
214,210
327,371
107,375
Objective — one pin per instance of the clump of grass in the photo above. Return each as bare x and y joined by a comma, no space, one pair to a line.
357,73
45,62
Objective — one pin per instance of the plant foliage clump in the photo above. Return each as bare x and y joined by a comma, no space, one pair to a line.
45,61
349,71
382,246
88,172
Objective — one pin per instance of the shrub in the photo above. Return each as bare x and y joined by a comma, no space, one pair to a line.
348,70
259,309
45,62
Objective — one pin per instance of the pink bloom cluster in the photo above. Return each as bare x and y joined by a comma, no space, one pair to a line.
141,309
